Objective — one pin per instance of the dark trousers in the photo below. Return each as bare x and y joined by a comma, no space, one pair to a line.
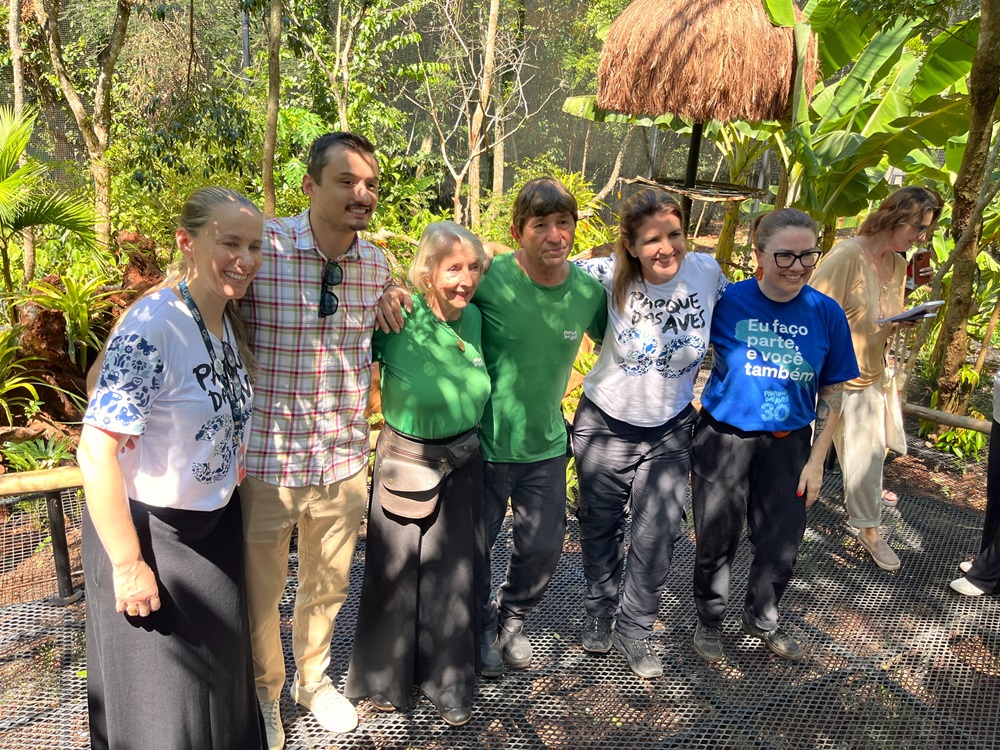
627,469
181,677
737,475
985,571
418,616
537,493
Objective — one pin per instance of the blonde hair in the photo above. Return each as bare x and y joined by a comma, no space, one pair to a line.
196,212
436,241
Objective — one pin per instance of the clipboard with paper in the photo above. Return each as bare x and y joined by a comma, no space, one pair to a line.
920,312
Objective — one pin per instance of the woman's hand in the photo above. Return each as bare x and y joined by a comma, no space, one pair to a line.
389,313
810,481
136,592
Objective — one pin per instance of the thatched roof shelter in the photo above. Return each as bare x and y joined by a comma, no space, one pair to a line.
700,59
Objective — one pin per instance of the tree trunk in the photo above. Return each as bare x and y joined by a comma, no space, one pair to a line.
95,129
984,90
727,238
273,98
457,201
617,168
101,174
983,349
477,131
475,192
498,158
17,68
781,198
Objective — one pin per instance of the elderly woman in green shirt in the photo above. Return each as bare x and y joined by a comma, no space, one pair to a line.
425,546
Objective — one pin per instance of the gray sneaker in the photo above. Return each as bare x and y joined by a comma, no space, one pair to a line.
707,643
515,646
595,636
272,725
490,655
640,655
777,640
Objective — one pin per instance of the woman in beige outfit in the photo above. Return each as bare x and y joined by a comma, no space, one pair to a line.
867,276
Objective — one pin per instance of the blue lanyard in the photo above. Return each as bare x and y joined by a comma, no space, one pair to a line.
223,368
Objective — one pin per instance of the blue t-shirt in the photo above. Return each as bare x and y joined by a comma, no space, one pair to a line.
771,358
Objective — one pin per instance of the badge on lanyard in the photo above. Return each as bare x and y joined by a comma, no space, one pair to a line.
226,373
241,461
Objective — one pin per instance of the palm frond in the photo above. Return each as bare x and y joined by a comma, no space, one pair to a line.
59,209
15,132
16,189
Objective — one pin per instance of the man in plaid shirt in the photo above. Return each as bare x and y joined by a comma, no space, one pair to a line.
310,314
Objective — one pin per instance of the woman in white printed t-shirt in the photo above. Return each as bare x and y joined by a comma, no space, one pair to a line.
632,431
168,648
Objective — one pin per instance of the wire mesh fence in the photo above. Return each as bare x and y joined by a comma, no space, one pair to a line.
27,570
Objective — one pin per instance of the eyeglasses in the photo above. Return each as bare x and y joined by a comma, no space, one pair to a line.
787,260
333,275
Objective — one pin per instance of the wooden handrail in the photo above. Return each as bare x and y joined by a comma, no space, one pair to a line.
44,480
67,477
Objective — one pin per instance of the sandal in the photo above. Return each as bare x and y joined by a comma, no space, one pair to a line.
889,499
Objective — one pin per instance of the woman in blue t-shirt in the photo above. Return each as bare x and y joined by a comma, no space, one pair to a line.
781,354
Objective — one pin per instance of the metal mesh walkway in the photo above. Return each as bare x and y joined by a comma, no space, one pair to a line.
893,661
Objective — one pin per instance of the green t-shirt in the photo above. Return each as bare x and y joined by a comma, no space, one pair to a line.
431,389
531,334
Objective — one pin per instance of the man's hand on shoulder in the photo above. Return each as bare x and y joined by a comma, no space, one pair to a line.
389,312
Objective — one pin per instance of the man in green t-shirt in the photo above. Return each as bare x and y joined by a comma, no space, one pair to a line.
536,306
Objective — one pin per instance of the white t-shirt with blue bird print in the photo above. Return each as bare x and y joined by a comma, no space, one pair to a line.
158,384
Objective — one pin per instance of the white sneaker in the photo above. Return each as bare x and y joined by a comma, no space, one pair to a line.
966,587
965,566
272,725
332,710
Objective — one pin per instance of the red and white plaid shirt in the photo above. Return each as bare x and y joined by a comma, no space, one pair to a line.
308,425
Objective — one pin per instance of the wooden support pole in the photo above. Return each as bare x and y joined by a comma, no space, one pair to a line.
948,420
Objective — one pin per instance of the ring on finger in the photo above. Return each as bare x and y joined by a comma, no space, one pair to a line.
132,611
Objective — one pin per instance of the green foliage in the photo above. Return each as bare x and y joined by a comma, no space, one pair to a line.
17,381
961,442
83,306
591,229
41,453
958,441
27,200
932,14
584,363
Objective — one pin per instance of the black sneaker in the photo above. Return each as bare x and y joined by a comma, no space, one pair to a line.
707,643
515,646
640,655
595,636
777,640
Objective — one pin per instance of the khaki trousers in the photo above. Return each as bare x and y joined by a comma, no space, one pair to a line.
328,518
860,443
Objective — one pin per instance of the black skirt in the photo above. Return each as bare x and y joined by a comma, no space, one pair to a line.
418,619
181,677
